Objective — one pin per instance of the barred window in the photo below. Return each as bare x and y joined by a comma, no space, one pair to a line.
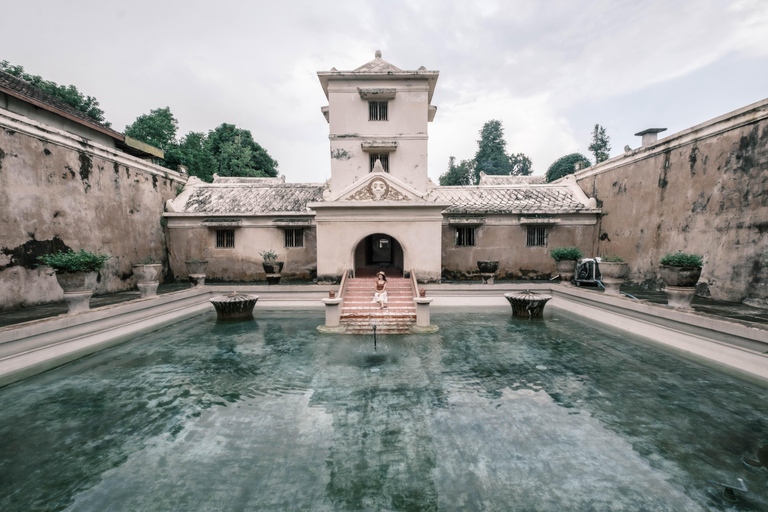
225,238
377,110
294,237
465,236
384,157
537,236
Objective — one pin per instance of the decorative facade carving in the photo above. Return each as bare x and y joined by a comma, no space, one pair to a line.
378,190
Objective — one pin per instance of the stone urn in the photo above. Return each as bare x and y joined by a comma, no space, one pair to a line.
487,266
680,284
235,306
613,274
273,278
527,304
78,288
566,268
196,270
147,278
273,267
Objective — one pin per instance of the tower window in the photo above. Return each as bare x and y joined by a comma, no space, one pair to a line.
225,238
377,110
294,237
384,157
537,236
465,236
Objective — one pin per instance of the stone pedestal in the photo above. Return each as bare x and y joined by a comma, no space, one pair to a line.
422,311
148,289
566,268
273,278
612,285
487,277
78,301
332,316
197,279
680,297
78,288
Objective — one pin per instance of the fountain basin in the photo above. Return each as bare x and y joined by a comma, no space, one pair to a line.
235,306
527,304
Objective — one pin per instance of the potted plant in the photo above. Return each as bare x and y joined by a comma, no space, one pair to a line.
270,263
613,270
680,272
565,260
147,275
196,269
76,273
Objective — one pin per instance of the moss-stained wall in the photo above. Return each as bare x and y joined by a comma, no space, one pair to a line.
705,191
59,191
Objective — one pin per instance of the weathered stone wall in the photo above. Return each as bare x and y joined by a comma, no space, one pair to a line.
703,191
59,190
503,239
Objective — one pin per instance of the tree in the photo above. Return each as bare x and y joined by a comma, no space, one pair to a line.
457,175
521,165
491,156
566,165
158,128
69,94
192,152
237,154
600,146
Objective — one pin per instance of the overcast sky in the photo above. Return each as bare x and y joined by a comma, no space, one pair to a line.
549,70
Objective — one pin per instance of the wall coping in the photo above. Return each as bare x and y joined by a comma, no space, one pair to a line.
25,125
750,114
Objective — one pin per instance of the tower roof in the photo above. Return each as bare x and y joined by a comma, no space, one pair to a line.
379,69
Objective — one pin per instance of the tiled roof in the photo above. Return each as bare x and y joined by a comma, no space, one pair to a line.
519,199
486,179
18,87
377,65
255,199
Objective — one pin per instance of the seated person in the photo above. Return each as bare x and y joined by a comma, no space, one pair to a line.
380,290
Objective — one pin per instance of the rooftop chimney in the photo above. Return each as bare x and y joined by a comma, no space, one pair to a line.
650,135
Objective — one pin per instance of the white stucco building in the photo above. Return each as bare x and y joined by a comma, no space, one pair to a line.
379,208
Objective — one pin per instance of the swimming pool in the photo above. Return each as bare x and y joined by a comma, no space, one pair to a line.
490,413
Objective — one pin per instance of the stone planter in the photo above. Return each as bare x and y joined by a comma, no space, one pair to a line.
566,268
78,288
147,278
234,306
275,267
488,267
680,284
196,271
613,275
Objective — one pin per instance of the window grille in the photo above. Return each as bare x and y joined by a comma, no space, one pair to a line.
225,238
294,237
384,157
377,110
537,236
465,236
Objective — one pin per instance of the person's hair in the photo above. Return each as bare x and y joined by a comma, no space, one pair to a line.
382,274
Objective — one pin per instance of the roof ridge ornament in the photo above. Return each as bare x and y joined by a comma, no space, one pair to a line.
377,54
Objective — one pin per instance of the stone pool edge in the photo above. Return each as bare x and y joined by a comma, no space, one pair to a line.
737,348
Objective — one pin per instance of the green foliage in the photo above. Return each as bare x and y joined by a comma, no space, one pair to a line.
600,146
457,175
566,165
613,259
71,261
69,94
492,158
237,154
150,260
158,128
566,253
268,256
681,259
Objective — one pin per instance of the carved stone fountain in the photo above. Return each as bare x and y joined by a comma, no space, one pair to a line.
234,306
527,304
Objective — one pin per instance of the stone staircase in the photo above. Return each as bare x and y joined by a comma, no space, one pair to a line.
359,314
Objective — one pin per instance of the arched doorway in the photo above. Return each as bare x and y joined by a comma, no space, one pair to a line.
378,252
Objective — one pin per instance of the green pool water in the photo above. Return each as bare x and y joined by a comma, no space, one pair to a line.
490,413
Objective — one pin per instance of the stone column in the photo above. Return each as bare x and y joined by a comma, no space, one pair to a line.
680,297
332,316
422,316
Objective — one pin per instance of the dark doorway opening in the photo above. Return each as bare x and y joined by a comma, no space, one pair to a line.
378,252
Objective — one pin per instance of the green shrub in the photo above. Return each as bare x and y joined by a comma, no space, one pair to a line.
681,259
566,253
268,256
150,260
613,259
71,261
